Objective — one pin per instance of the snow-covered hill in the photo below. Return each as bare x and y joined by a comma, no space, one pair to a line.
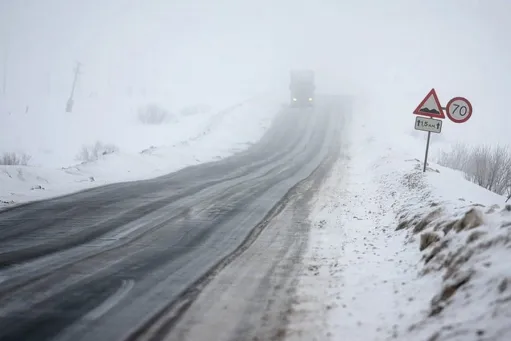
143,151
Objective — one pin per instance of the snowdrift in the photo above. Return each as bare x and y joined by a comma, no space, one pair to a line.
464,235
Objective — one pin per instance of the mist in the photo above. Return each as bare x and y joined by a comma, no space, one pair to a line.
388,54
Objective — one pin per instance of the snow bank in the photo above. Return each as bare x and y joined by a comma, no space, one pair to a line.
464,235
400,254
193,139
54,138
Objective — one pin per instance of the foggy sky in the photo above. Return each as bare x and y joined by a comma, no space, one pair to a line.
391,51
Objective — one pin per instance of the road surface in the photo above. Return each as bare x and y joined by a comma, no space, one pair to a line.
174,257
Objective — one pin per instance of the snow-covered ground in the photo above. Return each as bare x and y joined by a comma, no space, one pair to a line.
144,151
397,254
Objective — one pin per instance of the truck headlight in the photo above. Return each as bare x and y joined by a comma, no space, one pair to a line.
294,99
310,99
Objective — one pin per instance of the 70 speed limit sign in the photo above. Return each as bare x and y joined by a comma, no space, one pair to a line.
459,109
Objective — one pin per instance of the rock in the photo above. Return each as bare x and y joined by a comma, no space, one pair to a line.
427,239
448,227
506,224
470,220
492,209
475,235
503,285
439,302
436,250
427,220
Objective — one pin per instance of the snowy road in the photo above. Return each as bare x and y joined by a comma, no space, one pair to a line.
123,261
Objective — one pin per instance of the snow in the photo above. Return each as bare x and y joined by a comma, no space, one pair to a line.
145,151
365,276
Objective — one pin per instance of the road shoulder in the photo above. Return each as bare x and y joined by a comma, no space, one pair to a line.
250,298
358,280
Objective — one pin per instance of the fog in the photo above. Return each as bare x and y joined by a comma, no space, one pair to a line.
179,52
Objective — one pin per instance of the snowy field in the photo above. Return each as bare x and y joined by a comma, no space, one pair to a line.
396,254
142,151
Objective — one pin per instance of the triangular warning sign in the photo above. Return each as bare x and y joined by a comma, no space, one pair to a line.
430,106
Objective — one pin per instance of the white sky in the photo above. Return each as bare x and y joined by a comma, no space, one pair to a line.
394,51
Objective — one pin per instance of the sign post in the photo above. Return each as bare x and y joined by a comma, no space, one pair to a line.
426,154
429,106
459,110
431,126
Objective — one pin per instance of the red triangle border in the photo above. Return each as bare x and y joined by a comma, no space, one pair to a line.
435,97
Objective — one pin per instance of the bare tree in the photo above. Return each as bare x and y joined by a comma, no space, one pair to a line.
477,167
487,166
90,153
501,169
456,158
14,159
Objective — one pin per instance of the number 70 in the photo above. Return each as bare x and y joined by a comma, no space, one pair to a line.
463,109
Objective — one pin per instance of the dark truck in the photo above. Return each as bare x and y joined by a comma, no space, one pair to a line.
302,88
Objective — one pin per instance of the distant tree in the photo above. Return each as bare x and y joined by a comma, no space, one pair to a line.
90,153
13,159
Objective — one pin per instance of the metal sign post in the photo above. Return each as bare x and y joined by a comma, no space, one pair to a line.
70,101
427,151
431,126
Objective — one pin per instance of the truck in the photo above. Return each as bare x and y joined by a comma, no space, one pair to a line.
302,88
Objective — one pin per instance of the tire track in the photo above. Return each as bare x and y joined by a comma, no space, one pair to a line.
88,233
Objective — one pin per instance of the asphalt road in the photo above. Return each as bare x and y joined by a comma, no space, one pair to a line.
113,262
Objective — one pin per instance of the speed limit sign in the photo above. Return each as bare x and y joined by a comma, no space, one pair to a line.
459,109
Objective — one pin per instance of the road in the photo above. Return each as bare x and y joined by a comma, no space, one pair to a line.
143,260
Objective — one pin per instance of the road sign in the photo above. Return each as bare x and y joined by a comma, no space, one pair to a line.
459,109
428,124
430,106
